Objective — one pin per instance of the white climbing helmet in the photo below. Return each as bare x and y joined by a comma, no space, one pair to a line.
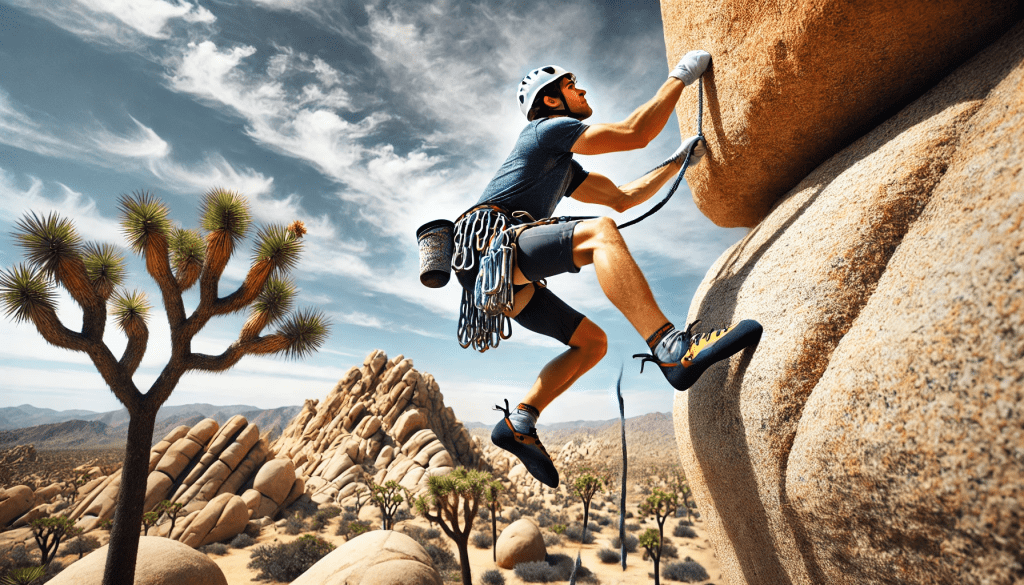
535,81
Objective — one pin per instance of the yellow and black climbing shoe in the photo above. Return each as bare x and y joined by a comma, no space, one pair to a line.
685,356
527,447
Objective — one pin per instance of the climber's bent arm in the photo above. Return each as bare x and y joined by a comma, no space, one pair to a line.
637,130
599,189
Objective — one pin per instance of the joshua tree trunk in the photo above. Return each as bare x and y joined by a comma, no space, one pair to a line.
463,545
124,536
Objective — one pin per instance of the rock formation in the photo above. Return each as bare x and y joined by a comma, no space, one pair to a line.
161,561
520,542
220,474
384,421
379,557
792,84
874,435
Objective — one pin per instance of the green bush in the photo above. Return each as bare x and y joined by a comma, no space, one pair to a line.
609,556
575,534
683,531
554,568
82,544
294,524
631,543
688,571
442,558
482,539
243,540
214,548
285,562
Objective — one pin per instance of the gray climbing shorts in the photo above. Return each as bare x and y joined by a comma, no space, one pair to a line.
542,251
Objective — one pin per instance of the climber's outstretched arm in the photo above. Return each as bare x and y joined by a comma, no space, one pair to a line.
647,121
599,189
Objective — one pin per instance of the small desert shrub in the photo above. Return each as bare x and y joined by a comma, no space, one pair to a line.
243,540
294,524
683,531
544,519
253,529
558,528
492,577
575,534
285,562
402,514
421,535
482,539
328,512
608,555
82,544
24,576
600,520
443,559
484,513
514,514
668,551
16,557
551,539
631,542
688,571
632,527
215,548
534,506
554,568
349,517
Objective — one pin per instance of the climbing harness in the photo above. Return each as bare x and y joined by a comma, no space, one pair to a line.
485,237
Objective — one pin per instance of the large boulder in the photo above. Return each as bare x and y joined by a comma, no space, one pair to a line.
15,502
873,435
520,542
379,557
161,561
793,83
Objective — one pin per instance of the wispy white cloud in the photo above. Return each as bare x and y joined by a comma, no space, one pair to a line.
126,23
91,224
357,318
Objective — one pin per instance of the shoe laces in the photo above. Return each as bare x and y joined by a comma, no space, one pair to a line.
689,339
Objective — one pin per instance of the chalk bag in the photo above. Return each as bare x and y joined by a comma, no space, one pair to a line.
435,239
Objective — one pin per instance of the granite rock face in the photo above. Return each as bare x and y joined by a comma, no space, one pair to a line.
384,421
791,84
161,562
379,557
875,434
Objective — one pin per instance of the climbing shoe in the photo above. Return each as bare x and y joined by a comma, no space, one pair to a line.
525,446
685,356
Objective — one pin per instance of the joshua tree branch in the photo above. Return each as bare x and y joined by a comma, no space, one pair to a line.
158,264
235,351
138,339
247,293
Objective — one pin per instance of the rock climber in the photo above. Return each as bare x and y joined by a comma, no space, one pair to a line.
522,197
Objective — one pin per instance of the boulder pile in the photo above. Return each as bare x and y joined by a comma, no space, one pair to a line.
222,476
874,435
384,421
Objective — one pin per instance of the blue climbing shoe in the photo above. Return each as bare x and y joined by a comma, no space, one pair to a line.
691,354
527,447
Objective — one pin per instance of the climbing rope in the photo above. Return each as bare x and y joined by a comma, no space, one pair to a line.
622,484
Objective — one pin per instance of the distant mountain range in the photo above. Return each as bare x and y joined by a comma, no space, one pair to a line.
49,429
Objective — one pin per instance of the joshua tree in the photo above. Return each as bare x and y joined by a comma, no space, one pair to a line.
177,259
172,511
585,484
49,532
661,505
148,520
387,497
491,492
454,494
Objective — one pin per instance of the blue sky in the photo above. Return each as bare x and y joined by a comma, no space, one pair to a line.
364,120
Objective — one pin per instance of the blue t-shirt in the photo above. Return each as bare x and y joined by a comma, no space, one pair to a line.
540,170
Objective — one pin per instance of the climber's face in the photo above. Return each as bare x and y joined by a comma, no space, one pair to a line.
574,99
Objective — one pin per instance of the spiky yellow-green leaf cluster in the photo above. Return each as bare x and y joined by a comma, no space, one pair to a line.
227,211
48,241
25,290
143,217
278,246
306,331
188,252
104,265
129,309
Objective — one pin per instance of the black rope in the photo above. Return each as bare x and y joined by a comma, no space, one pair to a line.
682,171
622,490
